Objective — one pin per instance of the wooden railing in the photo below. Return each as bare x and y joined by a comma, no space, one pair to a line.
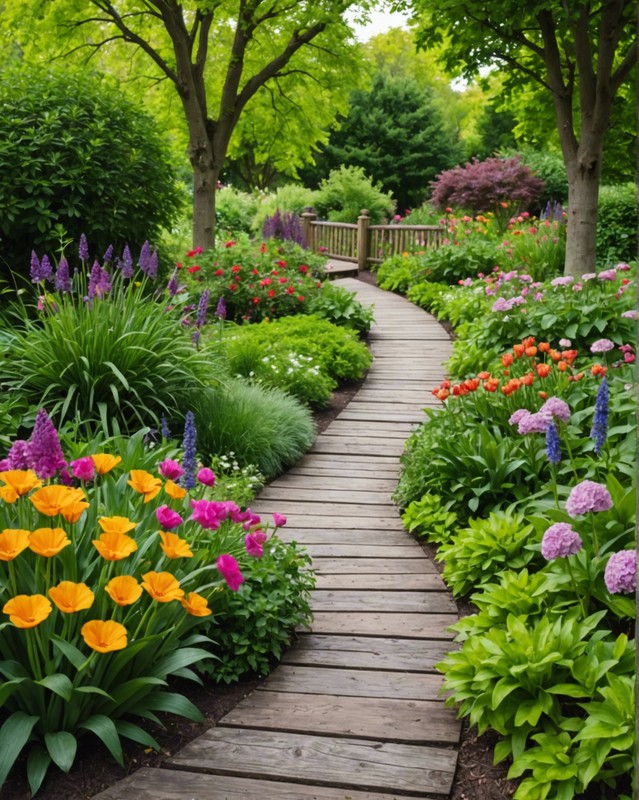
365,244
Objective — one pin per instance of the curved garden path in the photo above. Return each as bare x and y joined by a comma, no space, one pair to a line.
353,711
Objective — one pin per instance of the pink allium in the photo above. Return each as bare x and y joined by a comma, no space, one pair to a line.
168,518
518,415
602,346
534,423
170,469
607,275
588,496
208,513
621,572
622,267
588,276
560,541
501,304
279,520
253,547
83,469
557,408
206,477
631,314
565,342
564,280
45,453
230,571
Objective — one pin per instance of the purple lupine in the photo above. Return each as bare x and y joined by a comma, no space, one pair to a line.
145,255
553,449
152,267
34,271
202,306
220,311
195,339
108,255
599,429
83,248
164,428
18,456
94,280
104,283
127,262
46,269
63,276
172,285
189,449
45,453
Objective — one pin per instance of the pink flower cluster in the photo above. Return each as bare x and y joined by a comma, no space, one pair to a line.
211,514
560,541
588,496
621,572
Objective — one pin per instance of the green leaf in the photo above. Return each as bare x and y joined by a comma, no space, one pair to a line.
136,734
8,688
59,684
104,728
37,766
175,661
72,654
92,690
14,734
62,747
174,704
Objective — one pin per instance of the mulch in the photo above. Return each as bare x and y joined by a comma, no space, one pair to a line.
95,770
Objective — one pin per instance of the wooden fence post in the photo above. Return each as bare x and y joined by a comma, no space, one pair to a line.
363,221
307,228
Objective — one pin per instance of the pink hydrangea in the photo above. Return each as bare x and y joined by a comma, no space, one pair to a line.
622,267
621,572
557,407
631,314
501,304
170,469
601,346
560,541
230,571
565,342
168,518
588,496
564,280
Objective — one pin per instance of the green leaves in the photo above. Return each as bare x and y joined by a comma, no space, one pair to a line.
14,734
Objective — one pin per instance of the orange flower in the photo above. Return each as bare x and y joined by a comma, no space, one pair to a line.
471,384
174,491
569,355
483,376
17,482
27,611
531,351
174,547
196,605
103,462
555,355
70,597
598,369
544,347
115,546
442,394
529,341
123,590
116,524
543,370
12,542
527,379
491,385
104,637
54,499
518,349
562,366
162,586
144,483
48,542
507,359
543,395
73,511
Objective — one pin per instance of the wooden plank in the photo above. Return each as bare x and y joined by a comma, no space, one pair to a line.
363,429
362,537
353,683
437,602
337,495
412,626
167,784
381,396
320,508
367,652
357,482
376,566
343,522
351,413
360,463
374,583
379,551
343,472
387,448
367,765
385,427
407,721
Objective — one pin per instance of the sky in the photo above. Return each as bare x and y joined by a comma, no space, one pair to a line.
380,23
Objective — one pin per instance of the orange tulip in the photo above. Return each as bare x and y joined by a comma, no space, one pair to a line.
442,394
12,542
543,395
17,483
471,384
70,597
555,355
483,376
48,542
104,637
598,369
27,611
103,462
543,370
174,547
115,546
507,359
491,385
123,590
116,524
196,605
529,341
562,366
531,351
544,347
145,483
527,379
54,499
518,350
162,586
174,491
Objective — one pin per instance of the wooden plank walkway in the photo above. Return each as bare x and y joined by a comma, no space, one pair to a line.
353,712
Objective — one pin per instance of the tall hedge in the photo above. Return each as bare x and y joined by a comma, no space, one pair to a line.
74,152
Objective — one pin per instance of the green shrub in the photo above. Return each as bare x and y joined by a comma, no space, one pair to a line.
428,296
339,306
74,152
617,223
428,517
265,427
548,166
235,210
255,624
347,190
453,262
399,273
291,198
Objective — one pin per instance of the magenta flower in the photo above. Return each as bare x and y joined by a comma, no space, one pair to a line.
560,541
170,469
168,518
230,571
208,513
279,520
18,456
621,572
588,496
206,477
501,304
83,468
253,547
556,407
259,536
601,346
45,453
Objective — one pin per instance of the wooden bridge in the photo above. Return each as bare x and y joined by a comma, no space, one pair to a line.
353,712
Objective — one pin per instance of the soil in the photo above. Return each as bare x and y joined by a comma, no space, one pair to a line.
95,770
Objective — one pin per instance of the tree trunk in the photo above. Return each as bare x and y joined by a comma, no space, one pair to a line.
581,232
205,179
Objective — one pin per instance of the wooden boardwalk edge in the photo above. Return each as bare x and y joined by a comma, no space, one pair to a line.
354,711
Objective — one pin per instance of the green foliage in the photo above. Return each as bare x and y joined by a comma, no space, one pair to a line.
429,518
476,554
234,210
548,166
255,624
617,223
290,198
265,427
428,296
339,306
67,136
347,190
399,273
234,482
453,262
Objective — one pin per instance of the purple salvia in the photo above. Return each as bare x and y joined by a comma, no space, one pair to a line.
104,283
220,311
83,249
172,285
189,449
94,280
46,270
201,308
45,453
34,272
18,456
127,263
195,339
62,276
164,428
553,447
152,268
108,256
599,429
145,255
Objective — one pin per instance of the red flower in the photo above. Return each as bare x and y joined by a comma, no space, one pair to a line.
263,247
507,359
281,263
271,292
195,252
194,268
303,268
543,370
255,271
300,297
236,268
233,287
229,244
290,289
266,282
282,280
256,300
218,272
178,264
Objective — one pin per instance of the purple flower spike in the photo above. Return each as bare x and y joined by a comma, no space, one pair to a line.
189,446
46,270
164,429
152,268
94,280
63,276
560,541
108,255
621,572
83,249
201,308
553,449
127,263
588,496
220,311
599,429
172,285
145,255
18,456
45,453
34,272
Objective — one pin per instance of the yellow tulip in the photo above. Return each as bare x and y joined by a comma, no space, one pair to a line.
70,597
104,636
27,611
